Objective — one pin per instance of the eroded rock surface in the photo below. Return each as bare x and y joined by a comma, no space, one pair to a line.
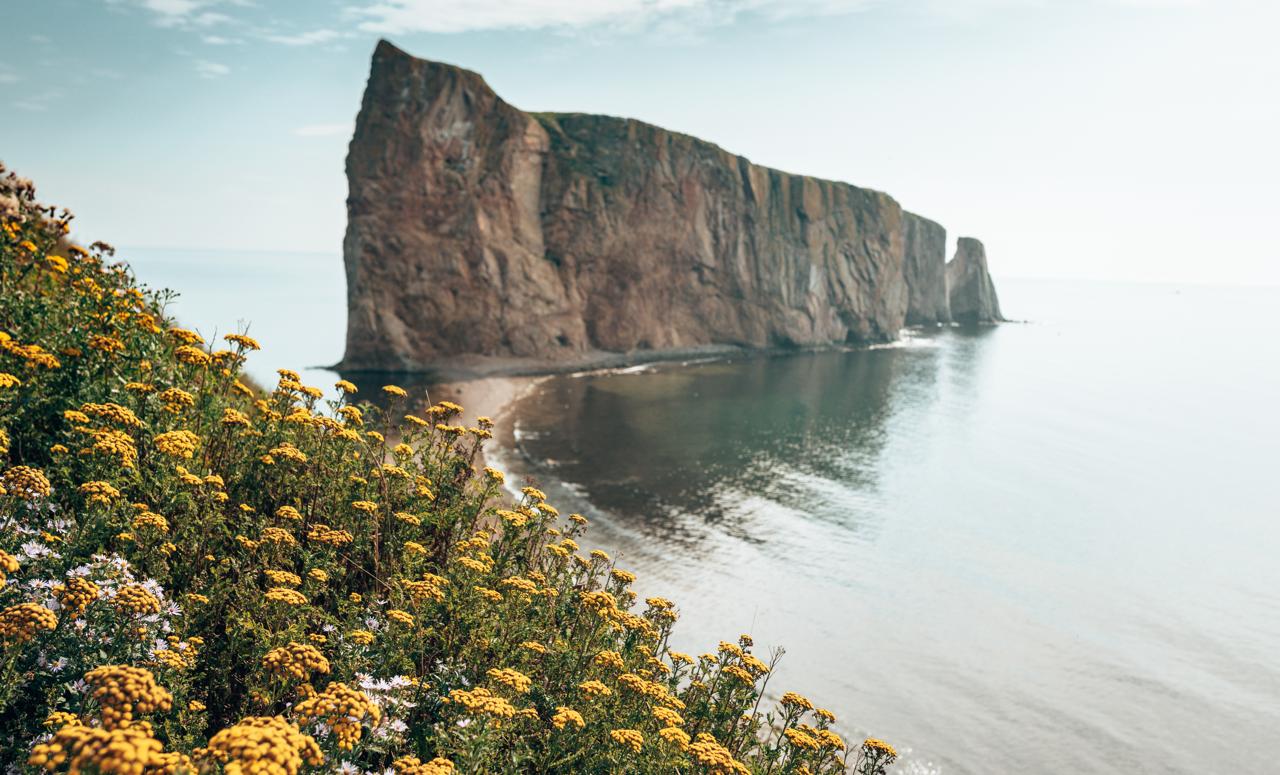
476,230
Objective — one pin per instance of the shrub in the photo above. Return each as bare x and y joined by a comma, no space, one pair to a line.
200,576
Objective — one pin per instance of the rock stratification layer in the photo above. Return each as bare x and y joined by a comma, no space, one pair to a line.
476,230
972,294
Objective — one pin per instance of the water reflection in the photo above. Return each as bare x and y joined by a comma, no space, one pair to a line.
725,443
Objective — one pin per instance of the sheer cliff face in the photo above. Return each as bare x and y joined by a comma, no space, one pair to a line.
476,229
924,264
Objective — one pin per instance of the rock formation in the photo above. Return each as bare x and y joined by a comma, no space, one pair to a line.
478,232
972,294
925,258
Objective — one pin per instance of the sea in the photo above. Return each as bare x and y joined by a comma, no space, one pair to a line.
1049,546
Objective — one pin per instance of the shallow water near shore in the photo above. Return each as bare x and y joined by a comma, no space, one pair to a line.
1045,547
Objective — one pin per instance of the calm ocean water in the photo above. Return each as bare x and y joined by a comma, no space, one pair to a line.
1050,547
1044,548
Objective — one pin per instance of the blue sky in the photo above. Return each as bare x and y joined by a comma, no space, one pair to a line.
1114,139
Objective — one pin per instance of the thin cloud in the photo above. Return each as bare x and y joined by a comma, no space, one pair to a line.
181,13
403,16
394,17
38,103
208,69
324,130
305,38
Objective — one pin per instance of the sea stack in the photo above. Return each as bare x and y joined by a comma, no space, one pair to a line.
483,237
971,292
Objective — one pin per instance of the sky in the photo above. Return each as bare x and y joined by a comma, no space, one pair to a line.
1100,139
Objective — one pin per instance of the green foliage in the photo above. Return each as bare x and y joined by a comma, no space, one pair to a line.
201,576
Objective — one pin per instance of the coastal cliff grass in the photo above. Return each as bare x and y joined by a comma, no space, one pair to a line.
201,578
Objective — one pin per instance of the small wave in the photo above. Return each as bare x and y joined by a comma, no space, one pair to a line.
908,341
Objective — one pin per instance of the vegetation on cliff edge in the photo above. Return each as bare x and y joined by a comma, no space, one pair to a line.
201,578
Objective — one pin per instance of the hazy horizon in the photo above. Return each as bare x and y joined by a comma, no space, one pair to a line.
1125,140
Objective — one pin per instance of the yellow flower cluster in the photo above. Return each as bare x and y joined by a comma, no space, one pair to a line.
323,534
512,679
150,519
482,701
245,342
609,659
31,353
262,745
113,443
801,739
594,688
8,564
282,578
296,660
628,738
75,595
135,600
342,709
288,452
235,417
668,716
107,344
278,535
797,701
567,717
176,399
178,656
113,413
412,765
99,492
122,690
26,482
403,617
179,444
287,596
429,589
22,622
715,757
124,750
185,336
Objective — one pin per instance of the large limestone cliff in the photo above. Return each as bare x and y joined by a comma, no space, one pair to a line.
972,294
477,231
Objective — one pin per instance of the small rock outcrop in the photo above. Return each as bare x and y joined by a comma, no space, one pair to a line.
478,231
969,287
